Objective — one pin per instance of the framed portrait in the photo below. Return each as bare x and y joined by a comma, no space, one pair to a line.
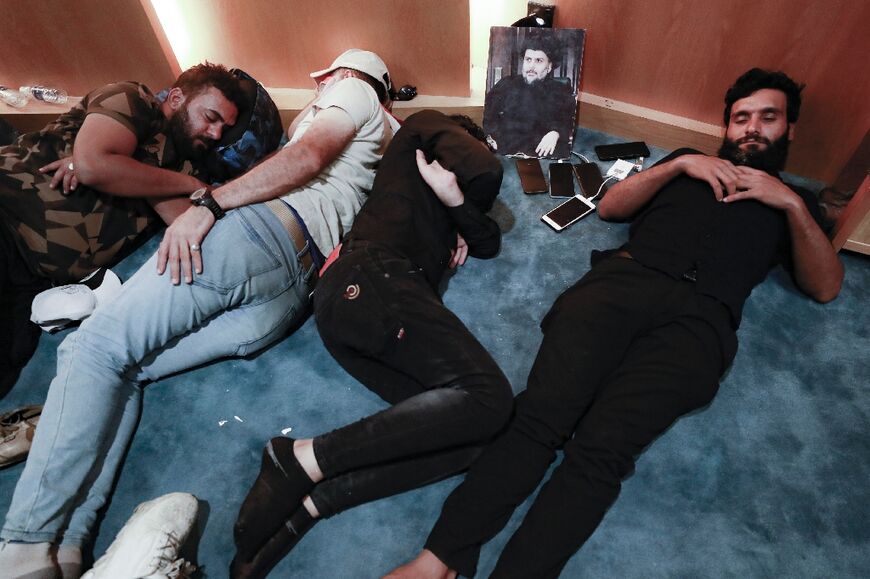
531,90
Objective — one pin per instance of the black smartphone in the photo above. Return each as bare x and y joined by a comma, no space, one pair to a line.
568,212
531,176
590,179
561,180
622,151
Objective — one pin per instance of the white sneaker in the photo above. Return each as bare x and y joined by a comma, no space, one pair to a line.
147,547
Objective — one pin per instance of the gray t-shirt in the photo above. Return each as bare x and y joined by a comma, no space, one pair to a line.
329,202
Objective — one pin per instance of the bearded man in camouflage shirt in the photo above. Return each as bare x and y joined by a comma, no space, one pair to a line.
84,191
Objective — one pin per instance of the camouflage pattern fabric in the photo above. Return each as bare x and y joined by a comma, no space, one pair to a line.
64,238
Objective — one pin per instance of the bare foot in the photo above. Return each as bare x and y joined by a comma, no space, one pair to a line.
425,566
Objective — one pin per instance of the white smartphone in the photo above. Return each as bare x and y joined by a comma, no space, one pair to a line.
568,212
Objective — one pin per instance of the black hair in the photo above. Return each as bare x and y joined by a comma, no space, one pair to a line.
756,79
542,43
471,128
200,77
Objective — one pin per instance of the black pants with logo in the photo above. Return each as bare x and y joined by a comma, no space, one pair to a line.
626,351
387,327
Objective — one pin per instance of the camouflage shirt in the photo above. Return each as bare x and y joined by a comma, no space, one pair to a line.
64,238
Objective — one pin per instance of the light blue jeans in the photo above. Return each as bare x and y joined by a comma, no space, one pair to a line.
251,291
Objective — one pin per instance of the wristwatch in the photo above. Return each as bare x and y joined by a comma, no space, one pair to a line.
202,197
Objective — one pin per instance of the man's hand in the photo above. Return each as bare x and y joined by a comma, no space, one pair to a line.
720,174
63,173
442,181
460,254
547,144
181,245
758,185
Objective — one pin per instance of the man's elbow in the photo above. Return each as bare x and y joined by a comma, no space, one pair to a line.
828,294
828,291
89,171
609,212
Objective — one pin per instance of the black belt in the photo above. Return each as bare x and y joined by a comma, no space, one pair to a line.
690,274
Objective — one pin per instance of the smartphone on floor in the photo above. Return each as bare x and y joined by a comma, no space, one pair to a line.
590,179
531,176
568,212
561,181
616,151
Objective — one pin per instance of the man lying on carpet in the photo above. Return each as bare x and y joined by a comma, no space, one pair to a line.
248,283
77,195
641,339
380,315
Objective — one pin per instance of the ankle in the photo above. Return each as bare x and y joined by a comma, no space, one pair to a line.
20,559
303,449
311,507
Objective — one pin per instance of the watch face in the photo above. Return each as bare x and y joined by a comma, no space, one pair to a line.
199,194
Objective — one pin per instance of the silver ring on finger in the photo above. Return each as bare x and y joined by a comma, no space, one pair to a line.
194,247
71,167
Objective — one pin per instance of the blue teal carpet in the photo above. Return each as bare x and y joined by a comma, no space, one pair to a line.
771,480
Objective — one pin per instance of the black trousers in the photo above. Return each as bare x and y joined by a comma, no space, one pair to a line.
388,328
626,351
18,335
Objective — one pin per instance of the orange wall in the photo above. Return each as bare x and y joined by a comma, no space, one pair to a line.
425,43
82,44
79,45
679,57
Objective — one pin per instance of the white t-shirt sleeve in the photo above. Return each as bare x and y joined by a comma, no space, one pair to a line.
353,96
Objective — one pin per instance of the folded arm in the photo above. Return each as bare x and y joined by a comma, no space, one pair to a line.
627,197
290,168
103,160
818,271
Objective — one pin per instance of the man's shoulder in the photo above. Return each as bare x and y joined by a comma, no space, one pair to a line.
132,89
355,97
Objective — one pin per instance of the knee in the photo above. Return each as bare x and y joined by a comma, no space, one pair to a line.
600,456
495,403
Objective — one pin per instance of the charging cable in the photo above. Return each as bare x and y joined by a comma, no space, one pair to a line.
585,160
597,193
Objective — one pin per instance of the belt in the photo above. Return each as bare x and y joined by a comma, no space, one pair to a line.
691,274
294,230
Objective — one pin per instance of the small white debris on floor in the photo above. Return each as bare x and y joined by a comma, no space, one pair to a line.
286,431
238,419
221,422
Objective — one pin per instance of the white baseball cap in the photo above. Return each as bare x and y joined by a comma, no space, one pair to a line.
59,307
363,61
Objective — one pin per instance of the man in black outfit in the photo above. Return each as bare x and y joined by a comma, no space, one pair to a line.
532,113
380,315
642,339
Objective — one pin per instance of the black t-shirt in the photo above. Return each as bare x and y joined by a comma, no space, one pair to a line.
728,247
403,214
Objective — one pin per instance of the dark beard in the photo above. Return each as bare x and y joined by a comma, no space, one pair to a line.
771,159
179,130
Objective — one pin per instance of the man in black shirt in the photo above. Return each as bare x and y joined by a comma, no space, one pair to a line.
380,315
642,339
532,113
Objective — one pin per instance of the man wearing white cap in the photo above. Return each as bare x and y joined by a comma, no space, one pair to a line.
248,272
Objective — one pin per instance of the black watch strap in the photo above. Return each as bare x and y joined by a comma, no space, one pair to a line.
202,197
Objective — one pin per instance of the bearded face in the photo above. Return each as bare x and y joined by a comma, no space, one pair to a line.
190,144
757,151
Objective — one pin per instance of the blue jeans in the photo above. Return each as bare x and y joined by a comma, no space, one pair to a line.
252,290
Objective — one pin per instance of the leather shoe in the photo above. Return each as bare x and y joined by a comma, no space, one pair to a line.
16,434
